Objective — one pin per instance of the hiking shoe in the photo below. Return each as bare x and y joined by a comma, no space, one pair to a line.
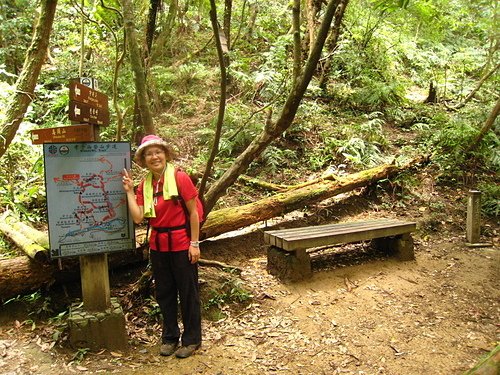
168,348
186,351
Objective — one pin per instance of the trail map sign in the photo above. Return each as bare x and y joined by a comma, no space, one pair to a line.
87,206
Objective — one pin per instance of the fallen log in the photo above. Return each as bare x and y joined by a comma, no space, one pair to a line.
21,275
31,241
232,218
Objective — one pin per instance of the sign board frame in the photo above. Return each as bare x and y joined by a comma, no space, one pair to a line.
87,207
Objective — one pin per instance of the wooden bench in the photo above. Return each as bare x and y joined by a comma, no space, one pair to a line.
288,259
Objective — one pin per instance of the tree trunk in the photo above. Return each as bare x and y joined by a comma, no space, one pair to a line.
270,133
138,68
232,218
486,127
228,11
254,11
269,186
478,86
222,101
25,86
154,5
312,9
167,27
432,97
297,48
331,45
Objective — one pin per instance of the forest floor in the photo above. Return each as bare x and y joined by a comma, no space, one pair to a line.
361,312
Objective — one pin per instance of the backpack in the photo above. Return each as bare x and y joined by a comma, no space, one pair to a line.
200,207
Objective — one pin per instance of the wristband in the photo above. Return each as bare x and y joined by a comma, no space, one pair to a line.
195,243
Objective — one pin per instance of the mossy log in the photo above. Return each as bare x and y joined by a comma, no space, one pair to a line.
32,242
233,218
489,365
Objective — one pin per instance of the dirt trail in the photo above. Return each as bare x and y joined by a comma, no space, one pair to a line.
436,315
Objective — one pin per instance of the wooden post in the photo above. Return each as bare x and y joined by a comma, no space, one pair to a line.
473,217
94,274
95,282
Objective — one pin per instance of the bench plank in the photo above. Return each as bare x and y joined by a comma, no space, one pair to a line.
332,234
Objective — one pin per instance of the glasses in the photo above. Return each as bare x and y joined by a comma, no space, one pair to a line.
151,154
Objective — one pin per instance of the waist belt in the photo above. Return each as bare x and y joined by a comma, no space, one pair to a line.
166,230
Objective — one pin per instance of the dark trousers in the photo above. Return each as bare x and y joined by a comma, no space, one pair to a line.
176,277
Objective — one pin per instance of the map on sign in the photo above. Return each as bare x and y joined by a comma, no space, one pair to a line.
87,206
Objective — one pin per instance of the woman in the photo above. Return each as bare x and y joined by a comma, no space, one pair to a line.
174,246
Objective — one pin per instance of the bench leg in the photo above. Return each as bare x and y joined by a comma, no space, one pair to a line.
288,265
400,246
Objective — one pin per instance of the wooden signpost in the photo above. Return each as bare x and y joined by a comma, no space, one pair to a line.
89,109
91,106
100,322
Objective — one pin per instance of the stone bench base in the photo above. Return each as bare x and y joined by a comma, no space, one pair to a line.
288,265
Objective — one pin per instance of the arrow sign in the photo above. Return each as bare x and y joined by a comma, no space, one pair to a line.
81,112
73,133
83,94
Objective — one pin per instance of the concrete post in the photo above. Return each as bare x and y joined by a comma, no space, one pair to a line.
473,217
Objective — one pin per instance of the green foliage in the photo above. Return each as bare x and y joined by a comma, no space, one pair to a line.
358,144
374,94
80,354
230,292
490,199
449,141
21,181
391,5
6,91
151,308
15,36
387,50
276,158
361,153
7,251
37,304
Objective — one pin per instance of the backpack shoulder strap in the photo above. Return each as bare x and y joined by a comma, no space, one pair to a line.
183,204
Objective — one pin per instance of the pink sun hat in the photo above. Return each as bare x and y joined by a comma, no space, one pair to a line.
150,140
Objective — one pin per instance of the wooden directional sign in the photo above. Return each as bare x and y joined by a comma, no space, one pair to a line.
83,94
73,133
81,112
